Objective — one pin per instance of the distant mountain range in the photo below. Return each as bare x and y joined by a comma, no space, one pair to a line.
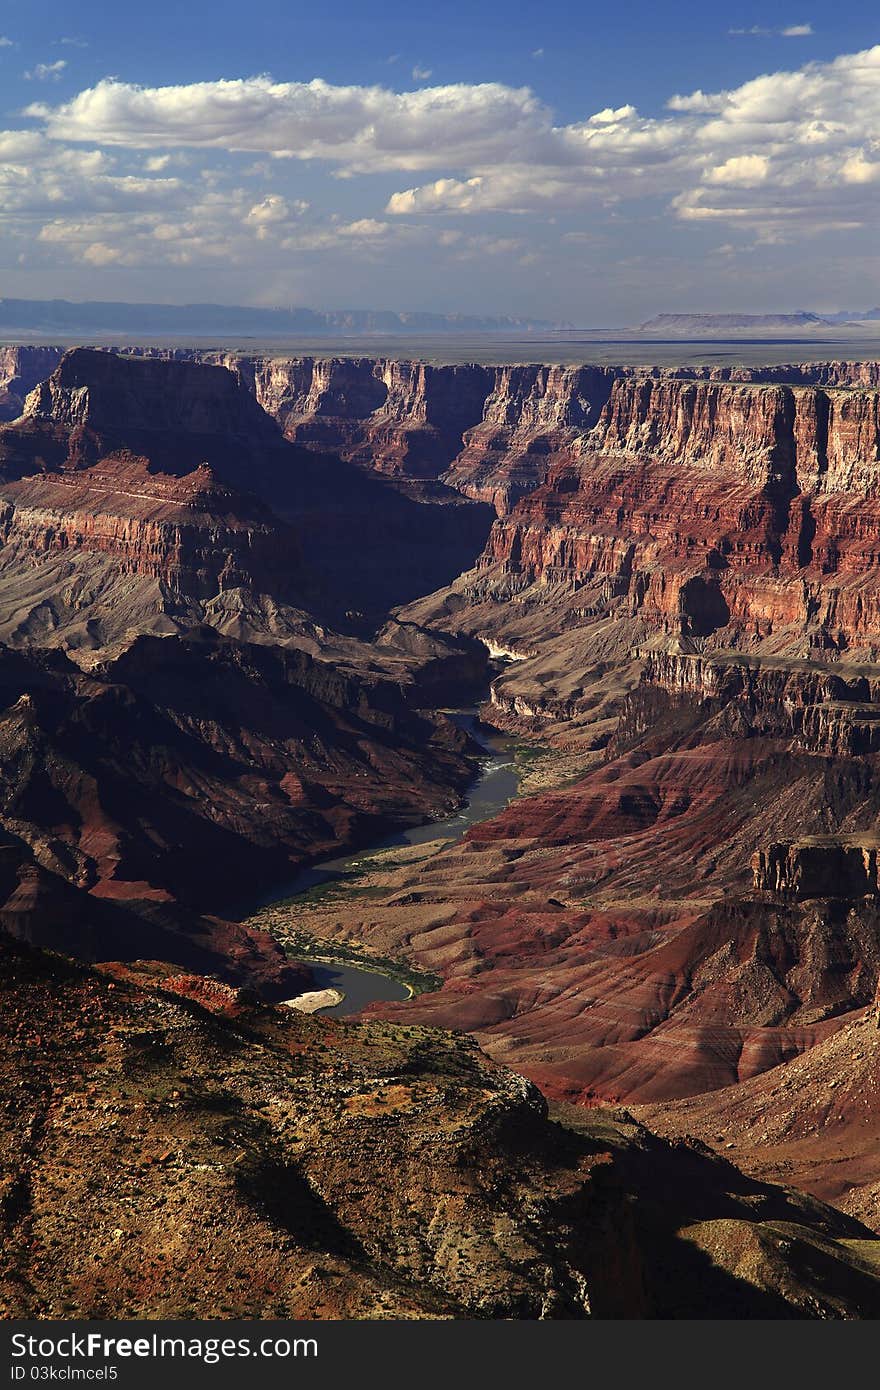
94,316
680,324
852,315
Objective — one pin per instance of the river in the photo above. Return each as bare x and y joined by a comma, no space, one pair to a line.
495,786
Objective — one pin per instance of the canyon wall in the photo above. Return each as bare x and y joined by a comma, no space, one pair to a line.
172,474
817,868
495,431
736,505
716,508
21,369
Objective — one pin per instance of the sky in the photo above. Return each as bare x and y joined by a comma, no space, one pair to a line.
584,162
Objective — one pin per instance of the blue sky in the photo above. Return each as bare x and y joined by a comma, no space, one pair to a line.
590,162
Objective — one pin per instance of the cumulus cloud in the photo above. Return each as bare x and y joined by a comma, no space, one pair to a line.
272,208
744,169
5,42
362,129
45,187
785,154
177,232
365,227
46,72
798,147
272,213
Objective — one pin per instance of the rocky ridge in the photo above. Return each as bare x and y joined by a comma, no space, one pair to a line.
328,1171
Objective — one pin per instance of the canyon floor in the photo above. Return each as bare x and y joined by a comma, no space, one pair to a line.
240,596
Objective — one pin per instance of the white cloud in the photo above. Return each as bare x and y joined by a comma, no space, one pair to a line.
421,74
99,253
698,102
272,213
365,227
272,208
444,195
39,178
360,129
744,169
788,31
46,72
5,42
788,153
802,145
858,169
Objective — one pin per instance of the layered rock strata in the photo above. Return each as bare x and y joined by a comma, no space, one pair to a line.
709,507
140,494
483,423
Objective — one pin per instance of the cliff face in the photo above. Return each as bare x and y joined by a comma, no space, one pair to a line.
195,536
107,394
130,481
821,709
401,418
533,418
21,369
496,433
818,868
804,374
173,474
709,506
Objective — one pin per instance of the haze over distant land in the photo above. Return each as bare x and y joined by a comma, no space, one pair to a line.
35,315
668,339
803,321
65,317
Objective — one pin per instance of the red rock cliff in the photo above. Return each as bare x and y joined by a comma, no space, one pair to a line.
707,505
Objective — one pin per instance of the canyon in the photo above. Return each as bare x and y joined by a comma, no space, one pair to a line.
237,595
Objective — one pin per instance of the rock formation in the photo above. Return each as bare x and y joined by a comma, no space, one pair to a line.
141,495
817,868
709,507
185,775
21,369
325,1171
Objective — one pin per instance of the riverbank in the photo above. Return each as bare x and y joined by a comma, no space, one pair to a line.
362,975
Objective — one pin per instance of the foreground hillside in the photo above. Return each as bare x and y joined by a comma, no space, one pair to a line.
170,1151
